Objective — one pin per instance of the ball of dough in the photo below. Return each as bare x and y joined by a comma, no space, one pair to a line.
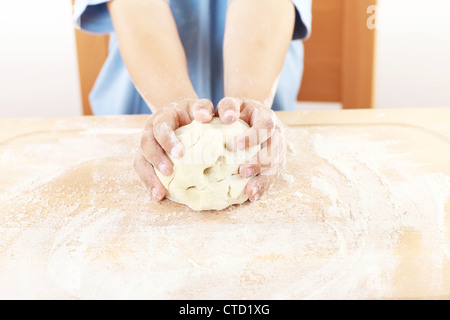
207,177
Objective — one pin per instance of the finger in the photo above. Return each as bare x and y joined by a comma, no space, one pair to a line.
229,109
202,110
164,126
262,123
258,186
148,176
155,154
270,155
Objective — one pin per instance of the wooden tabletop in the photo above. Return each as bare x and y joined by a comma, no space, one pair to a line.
361,211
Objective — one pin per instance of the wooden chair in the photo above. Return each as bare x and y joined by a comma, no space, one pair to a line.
92,51
339,56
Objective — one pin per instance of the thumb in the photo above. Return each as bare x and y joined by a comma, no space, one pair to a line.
229,109
202,110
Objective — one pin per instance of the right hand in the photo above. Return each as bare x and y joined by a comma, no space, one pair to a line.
159,138
266,130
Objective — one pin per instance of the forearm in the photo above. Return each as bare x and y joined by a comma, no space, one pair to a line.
152,51
257,37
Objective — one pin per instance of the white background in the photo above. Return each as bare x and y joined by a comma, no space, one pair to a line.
38,66
413,54
39,77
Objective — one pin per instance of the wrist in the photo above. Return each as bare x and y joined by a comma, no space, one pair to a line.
260,91
160,97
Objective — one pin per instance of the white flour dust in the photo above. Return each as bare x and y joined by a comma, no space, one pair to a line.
79,223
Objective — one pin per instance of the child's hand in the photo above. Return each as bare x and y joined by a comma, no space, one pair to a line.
268,131
159,137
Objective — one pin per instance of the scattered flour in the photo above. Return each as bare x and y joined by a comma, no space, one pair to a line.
79,223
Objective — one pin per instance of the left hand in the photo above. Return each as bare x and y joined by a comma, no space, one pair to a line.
266,130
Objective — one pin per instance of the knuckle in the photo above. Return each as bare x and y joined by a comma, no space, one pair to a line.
161,130
144,140
158,118
230,103
149,121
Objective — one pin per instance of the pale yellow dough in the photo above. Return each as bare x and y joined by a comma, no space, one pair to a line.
207,177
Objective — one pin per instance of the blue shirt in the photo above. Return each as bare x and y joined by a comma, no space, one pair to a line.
201,26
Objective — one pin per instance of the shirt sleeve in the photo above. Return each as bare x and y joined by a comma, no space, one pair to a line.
92,16
303,18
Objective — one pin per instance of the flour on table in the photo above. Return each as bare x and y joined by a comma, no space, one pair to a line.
81,225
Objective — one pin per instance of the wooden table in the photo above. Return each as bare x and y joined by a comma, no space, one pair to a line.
361,211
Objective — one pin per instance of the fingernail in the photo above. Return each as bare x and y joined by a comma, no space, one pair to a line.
248,172
229,116
253,191
164,169
177,151
256,197
155,194
205,114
